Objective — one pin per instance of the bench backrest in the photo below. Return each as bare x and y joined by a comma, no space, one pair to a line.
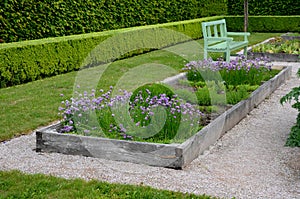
214,29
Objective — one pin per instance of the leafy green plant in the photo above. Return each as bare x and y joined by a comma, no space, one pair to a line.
211,94
234,94
278,45
294,137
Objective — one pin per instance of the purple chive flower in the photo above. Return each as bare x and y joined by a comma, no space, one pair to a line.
76,111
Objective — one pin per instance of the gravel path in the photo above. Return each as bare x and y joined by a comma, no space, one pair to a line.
250,161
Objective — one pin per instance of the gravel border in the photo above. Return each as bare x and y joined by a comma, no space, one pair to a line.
249,161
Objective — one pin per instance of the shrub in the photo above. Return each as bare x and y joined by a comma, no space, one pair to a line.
294,137
30,19
264,23
259,7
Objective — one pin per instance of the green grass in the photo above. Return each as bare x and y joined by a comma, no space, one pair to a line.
14,184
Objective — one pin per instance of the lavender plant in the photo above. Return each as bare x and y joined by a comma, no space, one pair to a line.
145,115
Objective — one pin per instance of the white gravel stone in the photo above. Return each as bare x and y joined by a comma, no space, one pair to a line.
249,161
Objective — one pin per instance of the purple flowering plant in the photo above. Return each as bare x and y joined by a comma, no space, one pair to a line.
151,113
236,72
220,82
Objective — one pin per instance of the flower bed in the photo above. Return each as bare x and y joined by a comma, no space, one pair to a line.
291,36
154,128
277,49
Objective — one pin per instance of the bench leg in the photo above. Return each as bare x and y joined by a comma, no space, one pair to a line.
205,54
227,56
245,52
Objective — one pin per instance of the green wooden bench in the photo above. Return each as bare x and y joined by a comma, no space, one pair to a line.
216,39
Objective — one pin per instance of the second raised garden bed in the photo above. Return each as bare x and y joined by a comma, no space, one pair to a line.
283,49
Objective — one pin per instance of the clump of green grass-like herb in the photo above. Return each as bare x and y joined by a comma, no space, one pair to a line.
237,79
152,113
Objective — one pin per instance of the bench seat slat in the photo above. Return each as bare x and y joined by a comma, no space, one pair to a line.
223,46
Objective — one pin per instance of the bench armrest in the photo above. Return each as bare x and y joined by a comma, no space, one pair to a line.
245,34
219,38
238,33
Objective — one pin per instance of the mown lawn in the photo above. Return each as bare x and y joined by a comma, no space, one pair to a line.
14,184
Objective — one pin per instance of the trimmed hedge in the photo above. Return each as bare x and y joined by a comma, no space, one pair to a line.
29,19
259,7
27,61
264,23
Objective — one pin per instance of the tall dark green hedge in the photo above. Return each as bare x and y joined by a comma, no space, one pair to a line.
264,23
264,7
30,19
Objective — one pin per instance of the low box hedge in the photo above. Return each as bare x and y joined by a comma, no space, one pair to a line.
26,61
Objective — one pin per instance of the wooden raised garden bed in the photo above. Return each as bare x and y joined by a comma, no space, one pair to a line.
277,49
291,36
162,155
280,57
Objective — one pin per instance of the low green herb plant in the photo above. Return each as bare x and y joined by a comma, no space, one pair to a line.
278,45
294,137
